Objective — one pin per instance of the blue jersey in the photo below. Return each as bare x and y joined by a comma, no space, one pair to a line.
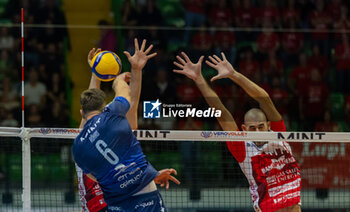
107,149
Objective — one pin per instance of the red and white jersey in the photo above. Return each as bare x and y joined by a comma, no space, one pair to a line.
271,170
90,193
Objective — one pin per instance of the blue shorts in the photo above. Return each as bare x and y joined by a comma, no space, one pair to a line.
152,202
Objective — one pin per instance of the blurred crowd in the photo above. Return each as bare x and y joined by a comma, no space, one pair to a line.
297,50
45,83
274,43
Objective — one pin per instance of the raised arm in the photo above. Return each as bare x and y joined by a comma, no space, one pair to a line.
137,62
121,88
193,71
225,70
94,82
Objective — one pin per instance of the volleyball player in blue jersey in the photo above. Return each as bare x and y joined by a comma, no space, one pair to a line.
107,150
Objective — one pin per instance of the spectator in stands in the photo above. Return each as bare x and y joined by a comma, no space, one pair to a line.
59,115
51,14
157,38
13,7
320,62
300,76
194,15
219,88
326,125
297,81
32,45
56,90
305,7
51,62
245,18
162,87
225,41
290,13
347,109
9,120
292,44
248,66
9,97
150,15
267,40
34,117
279,96
273,67
108,38
342,57
6,39
314,100
49,35
320,19
333,8
34,91
268,13
187,92
220,15
129,14
6,63
202,42
341,24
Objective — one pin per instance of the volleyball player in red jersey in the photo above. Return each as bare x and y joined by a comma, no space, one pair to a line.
270,168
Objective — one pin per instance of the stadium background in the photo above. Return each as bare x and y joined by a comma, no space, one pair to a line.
306,73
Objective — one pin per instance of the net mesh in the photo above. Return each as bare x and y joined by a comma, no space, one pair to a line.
211,178
10,174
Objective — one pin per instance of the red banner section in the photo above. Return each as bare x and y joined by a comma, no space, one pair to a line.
323,165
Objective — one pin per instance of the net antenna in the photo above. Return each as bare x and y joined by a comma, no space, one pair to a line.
22,54
26,171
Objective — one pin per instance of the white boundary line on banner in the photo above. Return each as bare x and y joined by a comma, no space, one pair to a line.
180,135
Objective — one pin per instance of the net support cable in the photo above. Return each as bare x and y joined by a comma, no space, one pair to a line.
181,135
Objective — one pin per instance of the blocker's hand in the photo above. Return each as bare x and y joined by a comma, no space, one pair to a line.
188,68
141,56
92,53
164,176
124,76
224,68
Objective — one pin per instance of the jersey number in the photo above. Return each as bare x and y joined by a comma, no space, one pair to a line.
107,153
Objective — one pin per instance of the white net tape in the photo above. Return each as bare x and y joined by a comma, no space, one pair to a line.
179,135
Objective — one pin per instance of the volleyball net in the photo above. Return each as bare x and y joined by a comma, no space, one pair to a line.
38,172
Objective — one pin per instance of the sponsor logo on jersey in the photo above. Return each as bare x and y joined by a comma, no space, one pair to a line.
144,204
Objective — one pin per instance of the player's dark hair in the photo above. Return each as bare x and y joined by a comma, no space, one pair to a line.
92,100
